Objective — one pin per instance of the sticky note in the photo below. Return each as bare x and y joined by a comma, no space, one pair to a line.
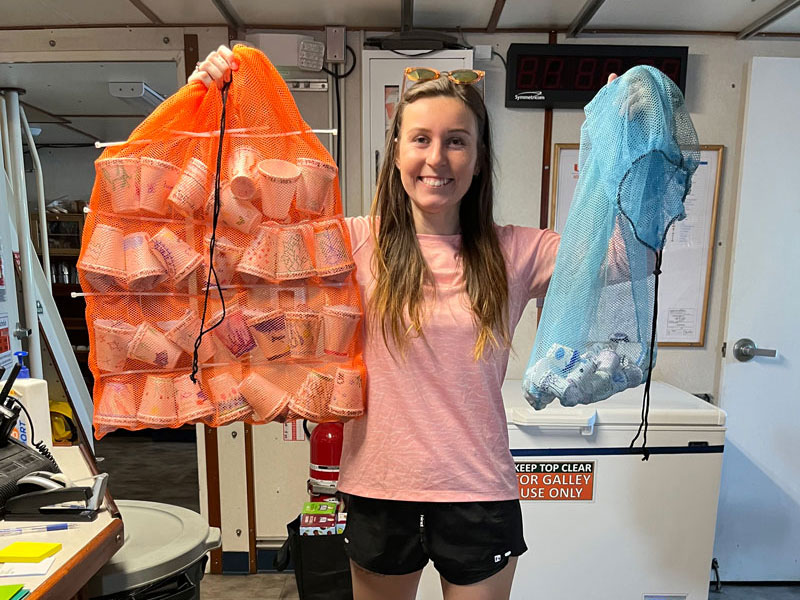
30,552
9,592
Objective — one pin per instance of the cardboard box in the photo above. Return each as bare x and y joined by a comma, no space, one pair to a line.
314,524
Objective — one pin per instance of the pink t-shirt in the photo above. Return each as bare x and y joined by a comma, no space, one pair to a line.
435,427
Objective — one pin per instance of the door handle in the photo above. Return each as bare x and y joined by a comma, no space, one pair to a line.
745,349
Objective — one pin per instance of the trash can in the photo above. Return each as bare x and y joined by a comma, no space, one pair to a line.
163,556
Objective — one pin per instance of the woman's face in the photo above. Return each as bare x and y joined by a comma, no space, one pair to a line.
437,157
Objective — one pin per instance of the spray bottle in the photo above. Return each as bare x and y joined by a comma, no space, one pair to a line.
32,394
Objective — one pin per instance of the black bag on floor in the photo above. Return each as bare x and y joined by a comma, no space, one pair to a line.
321,566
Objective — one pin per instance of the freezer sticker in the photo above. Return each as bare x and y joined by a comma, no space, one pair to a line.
556,481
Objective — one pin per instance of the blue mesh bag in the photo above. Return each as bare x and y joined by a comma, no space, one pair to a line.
638,153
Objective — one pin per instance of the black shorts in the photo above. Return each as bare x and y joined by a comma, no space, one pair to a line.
467,541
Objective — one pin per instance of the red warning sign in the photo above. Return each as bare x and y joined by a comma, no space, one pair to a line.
555,480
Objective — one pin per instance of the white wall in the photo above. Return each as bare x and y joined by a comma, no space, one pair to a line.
714,93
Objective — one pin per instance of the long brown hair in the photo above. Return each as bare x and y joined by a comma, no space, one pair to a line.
401,273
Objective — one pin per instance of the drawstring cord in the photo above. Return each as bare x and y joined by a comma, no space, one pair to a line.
646,397
212,243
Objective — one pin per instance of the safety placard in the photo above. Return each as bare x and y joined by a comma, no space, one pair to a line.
556,480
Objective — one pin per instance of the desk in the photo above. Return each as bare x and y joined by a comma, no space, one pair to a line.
85,549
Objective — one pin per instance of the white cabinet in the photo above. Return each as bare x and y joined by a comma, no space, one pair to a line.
381,81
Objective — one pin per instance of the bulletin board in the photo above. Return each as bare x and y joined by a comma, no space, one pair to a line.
686,267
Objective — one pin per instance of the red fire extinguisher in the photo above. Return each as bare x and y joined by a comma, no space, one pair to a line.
326,453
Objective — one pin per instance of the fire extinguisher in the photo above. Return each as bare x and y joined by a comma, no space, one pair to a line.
326,453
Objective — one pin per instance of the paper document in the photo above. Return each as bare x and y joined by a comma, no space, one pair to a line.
26,569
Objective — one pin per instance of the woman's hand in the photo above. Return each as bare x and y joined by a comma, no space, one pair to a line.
216,68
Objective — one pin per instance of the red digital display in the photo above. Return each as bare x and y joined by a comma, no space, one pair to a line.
569,75
583,73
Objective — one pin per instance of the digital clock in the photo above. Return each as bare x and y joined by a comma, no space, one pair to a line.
569,75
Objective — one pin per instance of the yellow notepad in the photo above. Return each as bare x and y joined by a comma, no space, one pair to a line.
29,552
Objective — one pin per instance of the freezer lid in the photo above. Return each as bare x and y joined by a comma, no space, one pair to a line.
668,406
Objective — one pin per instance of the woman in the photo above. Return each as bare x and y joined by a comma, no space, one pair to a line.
427,472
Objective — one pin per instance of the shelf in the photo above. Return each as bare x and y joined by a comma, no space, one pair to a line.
73,217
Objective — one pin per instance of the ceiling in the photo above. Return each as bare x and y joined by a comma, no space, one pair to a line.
71,104
683,15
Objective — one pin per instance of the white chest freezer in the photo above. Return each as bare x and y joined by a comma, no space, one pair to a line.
601,523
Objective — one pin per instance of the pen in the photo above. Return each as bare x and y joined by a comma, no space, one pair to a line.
38,528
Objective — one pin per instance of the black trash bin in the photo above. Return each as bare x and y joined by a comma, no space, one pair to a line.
163,557
321,567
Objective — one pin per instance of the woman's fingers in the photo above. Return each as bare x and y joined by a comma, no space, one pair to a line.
227,54
216,67
203,77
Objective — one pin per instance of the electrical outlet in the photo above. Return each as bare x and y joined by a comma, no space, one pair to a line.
482,52
335,44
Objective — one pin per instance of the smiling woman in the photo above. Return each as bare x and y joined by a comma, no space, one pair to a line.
444,287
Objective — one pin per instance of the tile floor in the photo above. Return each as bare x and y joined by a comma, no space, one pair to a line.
137,469
282,586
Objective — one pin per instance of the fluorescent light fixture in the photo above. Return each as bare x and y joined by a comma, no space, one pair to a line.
136,93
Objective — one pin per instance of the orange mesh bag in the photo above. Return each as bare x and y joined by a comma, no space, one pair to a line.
216,266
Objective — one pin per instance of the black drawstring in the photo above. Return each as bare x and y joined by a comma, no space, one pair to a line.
646,398
212,243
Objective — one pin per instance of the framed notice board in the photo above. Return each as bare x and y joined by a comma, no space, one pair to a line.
686,269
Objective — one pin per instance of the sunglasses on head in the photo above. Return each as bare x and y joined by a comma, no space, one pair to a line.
458,76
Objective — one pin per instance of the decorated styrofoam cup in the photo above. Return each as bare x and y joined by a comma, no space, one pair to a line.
234,212
315,193
115,407
243,161
192,402
157,407
226,258
347,399
233,332
184,332
278,179
111,342
192,188
303,329
157,178
151,346
339,325
266,398
292,257
312,399
227,400
332,257
143,269
258,259
103,260
269,331
120,180
178,258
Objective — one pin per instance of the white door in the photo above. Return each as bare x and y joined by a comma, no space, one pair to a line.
382,79
758,523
